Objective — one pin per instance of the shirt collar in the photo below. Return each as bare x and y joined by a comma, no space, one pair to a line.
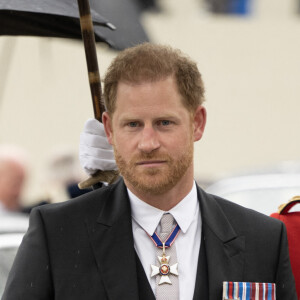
148,217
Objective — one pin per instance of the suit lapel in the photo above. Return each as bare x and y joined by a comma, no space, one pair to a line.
224,248
145,290
112,242
201,286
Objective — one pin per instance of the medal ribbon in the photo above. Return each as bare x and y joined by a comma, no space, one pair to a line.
169,241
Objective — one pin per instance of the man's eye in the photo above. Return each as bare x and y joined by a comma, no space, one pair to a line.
133,124
165,122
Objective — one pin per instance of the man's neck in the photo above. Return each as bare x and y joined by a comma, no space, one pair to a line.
167,200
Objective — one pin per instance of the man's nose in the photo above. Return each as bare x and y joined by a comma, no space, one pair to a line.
149,140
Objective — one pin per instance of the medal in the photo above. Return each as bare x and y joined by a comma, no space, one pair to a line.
164,269
248,290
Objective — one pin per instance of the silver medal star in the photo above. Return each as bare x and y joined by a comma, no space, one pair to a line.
164,269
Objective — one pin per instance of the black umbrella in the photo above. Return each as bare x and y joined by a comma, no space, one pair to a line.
51,18
60,18
125,15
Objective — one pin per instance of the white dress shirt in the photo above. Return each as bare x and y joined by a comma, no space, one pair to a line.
145,220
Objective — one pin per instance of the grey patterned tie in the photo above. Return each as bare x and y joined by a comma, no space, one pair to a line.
167,291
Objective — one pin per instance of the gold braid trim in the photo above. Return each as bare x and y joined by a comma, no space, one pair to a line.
284,205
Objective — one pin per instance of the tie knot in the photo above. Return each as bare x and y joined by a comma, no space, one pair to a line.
166,223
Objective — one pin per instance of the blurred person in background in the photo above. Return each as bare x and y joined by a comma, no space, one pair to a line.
13,172
13,223
13,175
62,174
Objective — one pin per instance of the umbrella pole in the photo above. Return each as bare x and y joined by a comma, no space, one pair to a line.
87,31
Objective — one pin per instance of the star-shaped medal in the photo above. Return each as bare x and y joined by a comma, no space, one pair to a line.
164,269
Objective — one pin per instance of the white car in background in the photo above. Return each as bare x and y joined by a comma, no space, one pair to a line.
13,223
12,230
263,191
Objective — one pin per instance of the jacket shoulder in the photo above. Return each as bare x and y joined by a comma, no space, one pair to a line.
244,219
90,204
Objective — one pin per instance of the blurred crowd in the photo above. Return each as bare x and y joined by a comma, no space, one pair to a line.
13,173
62,175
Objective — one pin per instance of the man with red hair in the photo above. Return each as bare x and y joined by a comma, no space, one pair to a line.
155,234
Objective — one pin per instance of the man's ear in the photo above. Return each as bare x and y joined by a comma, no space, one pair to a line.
107,123
199,122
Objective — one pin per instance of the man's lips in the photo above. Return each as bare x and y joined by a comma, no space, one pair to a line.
150,162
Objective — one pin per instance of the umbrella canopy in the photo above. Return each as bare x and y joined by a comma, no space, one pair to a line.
51,18
60,18
125,15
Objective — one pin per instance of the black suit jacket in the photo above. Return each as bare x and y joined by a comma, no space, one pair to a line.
83,249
